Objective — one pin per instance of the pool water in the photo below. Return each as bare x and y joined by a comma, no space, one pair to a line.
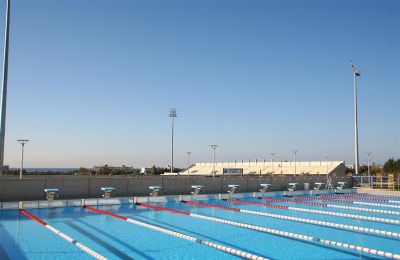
23,238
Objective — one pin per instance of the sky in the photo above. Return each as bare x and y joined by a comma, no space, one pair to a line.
91,81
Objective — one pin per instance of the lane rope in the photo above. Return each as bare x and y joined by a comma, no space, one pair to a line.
64,236
349,199
219,247
381,211
312,221
268,230
325,198
365,195
322,223
334,198
322,212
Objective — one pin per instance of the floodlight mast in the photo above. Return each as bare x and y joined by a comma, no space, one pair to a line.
369,172
294,155
327,165
188,164
172,115
356,73
214,146
22,142
4,87
272,162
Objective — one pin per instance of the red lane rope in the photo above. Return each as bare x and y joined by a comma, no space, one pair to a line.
350,199
209,205
256,204
295,202
41,222
162,208
323,199
365,196
105,212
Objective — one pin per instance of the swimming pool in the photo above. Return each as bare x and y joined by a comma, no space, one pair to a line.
208,226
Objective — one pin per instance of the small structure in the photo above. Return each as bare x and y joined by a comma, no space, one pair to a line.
155,190
197,189
51,194
108,192
265,187
341,185
232,188
318,186
292,186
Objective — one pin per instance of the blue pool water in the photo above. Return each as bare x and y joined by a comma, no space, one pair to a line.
23,238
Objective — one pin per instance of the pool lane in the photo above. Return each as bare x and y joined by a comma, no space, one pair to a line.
113,239
268,245
386,244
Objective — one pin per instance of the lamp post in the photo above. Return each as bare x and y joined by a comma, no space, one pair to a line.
188,163
4,87
369,173
214,146
327,171
356,73
22,142
272,162
294,154
172,115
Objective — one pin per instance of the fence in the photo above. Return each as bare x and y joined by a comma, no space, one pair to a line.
74,187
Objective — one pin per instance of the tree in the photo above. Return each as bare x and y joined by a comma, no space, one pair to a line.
105,170
83,170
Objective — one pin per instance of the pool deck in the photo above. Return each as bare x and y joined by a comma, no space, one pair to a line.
378,191
146,199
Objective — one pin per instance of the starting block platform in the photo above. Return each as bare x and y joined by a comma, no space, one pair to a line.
108,192
232,188
292,187
318,186
197,189
341,186
51,194
155,190
265,187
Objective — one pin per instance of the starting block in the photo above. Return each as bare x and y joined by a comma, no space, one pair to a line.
197,189
265,187
292,186
291,189
318,186
341,184
108,192
51,194
233,188
155,190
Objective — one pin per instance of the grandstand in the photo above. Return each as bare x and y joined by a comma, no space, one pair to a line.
335,168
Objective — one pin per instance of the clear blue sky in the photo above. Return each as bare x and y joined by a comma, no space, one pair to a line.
91,81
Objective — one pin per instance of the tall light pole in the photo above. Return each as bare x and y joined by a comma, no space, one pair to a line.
4,87
188,163
369,173
327,171
272,162
214,146
294,154
22,142
172,115
356,73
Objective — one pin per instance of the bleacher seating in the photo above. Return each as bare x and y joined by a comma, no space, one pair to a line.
263,168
